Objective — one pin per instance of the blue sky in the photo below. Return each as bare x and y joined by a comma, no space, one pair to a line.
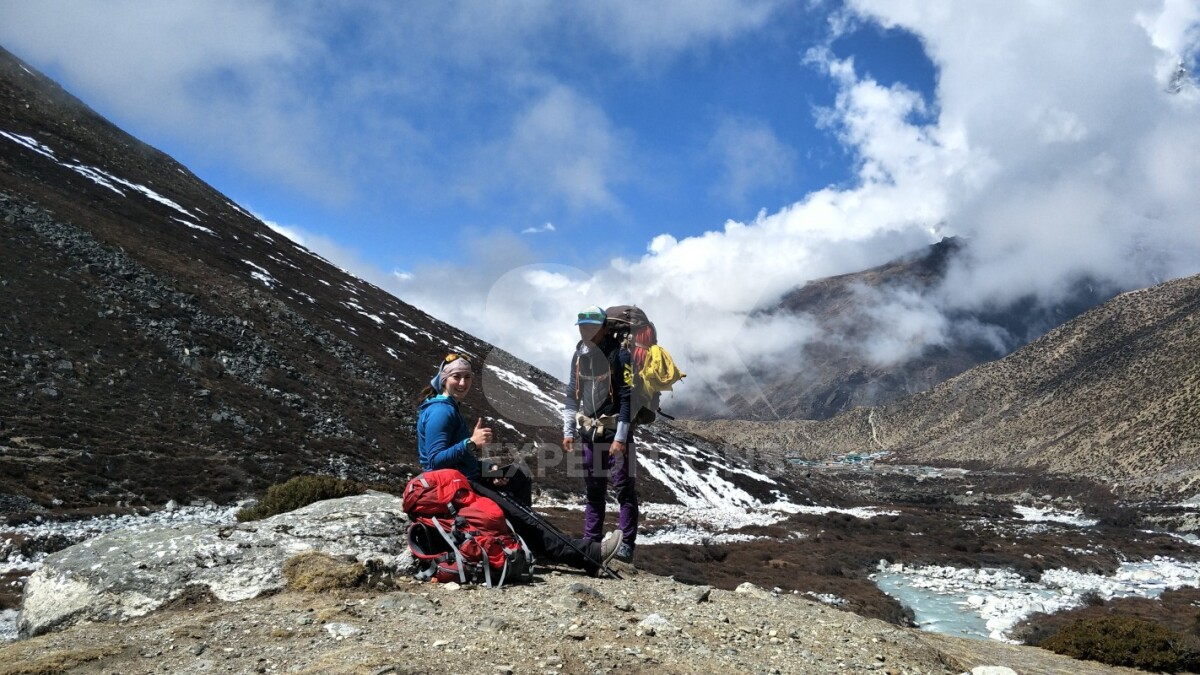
396,135
697,157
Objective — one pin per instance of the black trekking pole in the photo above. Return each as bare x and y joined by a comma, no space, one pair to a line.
545,524
562,536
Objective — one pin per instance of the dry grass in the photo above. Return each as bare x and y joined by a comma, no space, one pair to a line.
29,658
320,572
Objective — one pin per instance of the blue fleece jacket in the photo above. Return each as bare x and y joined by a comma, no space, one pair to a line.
442,436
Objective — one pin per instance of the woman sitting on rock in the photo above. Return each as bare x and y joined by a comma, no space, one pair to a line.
445,441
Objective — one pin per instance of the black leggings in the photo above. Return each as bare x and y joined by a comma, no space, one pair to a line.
543,538
519,487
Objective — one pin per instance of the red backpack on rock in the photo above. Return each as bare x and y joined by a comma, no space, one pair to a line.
458,535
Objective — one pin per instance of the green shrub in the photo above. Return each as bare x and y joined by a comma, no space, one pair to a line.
1126,641
299,492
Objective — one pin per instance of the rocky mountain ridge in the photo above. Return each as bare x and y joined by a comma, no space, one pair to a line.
1111,396
831,373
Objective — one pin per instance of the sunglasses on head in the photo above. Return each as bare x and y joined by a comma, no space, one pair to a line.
451,358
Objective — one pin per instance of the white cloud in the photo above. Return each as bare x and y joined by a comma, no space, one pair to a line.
1051,144
561,147
292,233
159,65
345,101
752,157
648,30
548,227
1175,31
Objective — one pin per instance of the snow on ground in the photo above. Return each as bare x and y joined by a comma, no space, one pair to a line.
682,534
827,598
261,274
508,426
517,382
857,511
1038,515
241,210
144,190
8,625
94,176
989,603
30,144
99,176
976,603
675,466
686,525
284,261
194,226
81,530
353,305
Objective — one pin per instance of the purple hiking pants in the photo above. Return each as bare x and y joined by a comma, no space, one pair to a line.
598,468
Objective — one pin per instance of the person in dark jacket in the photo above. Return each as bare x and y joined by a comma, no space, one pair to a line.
445,441
598,406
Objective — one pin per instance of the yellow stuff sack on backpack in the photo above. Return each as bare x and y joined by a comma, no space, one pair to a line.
659,373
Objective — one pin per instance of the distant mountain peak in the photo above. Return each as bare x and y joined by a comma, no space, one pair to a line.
1181,79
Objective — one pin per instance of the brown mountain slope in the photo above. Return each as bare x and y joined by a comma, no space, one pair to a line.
836,372
1112,395
159,342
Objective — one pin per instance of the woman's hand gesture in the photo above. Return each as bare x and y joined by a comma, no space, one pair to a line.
482,435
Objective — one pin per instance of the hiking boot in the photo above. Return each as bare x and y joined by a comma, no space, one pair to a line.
609,546
624,553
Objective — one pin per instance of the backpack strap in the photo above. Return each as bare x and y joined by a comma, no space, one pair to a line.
462,575
504,571
487,566
578,373
580,377
605,376
521,541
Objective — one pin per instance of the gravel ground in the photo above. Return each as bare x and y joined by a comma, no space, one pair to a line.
562,623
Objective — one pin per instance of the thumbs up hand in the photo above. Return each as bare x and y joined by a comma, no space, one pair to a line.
482,435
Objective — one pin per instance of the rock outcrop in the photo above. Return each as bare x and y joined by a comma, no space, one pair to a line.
125,574
127,602
562,623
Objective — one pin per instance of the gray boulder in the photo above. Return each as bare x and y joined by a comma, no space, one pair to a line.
128,573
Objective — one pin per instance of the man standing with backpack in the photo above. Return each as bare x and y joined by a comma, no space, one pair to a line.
598,411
